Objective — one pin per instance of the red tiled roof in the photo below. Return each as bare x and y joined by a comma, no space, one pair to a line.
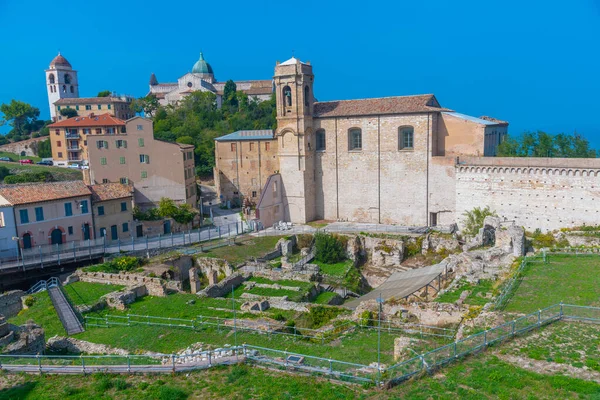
96,120
26,193
110,191
379,106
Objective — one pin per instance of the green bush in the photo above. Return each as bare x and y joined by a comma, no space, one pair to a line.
29,301
278,317
321,315
474,220
366,318
413,247
541,240
330,249
120,264
41,176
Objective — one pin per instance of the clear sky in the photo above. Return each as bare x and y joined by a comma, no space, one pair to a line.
533,63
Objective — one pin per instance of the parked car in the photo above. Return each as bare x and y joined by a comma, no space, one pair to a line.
73,166
5,159
45,162
26,161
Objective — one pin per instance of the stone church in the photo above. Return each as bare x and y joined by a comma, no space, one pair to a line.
202,78
403,160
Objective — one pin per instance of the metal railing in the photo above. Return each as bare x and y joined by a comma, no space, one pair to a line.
40,286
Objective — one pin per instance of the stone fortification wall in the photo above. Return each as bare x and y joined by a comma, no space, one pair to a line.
154,286
10,303
223,288
535,193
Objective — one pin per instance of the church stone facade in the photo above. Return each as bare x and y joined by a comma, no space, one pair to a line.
202,78
407,161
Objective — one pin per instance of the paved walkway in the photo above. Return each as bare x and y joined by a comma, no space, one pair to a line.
65,312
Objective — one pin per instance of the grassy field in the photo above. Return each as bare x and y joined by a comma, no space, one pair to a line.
475,298
241,251
567,278
42,313
338,270
481,377
59,174
15,157
324,298
88,293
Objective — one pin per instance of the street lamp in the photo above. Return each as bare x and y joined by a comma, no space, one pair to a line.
16,239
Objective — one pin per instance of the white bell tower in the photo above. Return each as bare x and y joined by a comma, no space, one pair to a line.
61,83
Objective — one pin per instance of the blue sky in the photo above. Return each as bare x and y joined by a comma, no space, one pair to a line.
533,63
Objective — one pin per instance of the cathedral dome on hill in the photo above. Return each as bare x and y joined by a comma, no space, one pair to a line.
59,61
201,66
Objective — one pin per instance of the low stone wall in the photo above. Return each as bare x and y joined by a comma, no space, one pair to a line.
284,275
209,266
250,296
28,339
75,346
223,288
154,286
251,285
10,303
120,300
289,305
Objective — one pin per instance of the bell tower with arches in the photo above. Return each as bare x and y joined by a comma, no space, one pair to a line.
61,82
295,102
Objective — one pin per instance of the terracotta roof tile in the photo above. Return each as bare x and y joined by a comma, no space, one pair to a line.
26,193
110,191
379,106
97,120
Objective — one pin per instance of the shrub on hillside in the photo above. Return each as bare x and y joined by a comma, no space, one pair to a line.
330,249
120,264
474,220
42,176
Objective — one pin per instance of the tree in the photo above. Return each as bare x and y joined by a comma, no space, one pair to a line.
474,220
542,144
147,105
329,249
104,93
167,207
4,172
44,149
68,112
18,114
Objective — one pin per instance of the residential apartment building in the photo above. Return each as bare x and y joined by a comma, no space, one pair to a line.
244,162
112,208
49,213
117,106
156,169
69,137
8,232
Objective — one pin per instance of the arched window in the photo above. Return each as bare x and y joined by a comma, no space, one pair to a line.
406,138
306,96
51,78
320,140
72,91
287,96
355,139
51,89
64,88
67,79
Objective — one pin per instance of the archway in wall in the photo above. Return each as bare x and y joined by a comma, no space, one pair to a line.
27,240
56,236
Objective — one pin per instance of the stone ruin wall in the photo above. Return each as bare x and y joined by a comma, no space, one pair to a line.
11,303
223,288
154,286
547,198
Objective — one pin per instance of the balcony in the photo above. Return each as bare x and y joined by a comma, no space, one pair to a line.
73,148
72,136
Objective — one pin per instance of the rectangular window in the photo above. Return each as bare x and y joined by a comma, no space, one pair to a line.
406,138
77,107
98,131
104,180
140,127
100,210
141,142
24,215
253,181
144,159
190,155
109,106
102,160
39,213
110,131
124,206
187,193
84,207
57,131
320,140
2,223
355,137
121,160
88,107
251,146
144,174
68,209
58,108
124,181
267,146
99,106
233,147
70,230
125,227
58,143
59,154
86,131
254,194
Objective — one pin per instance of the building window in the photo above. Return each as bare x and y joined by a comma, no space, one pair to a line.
58,143
102,144
88,107
190,155
121,143
406,138
306,96
68,209
251,145
187,193
320,140
102,232
84,207
124,206
2,223
124,181
141,142
72,89
102,160
86,131
267,146
144,174
287,96
77,108
110,131
99,106
109,106
39,213
24,215
125,227
59,154
64,88
144,159
140,127
70,230
98,131
104,180
67,79
100,210
57,132
233,147
355,139
121,160
254,194
51,78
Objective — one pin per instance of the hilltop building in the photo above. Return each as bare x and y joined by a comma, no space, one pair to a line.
402,160
202,78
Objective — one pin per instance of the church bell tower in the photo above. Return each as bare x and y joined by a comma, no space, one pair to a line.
295,100
61,83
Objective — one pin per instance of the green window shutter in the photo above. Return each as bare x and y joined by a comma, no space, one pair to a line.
141,142
144,174
103,161
122,160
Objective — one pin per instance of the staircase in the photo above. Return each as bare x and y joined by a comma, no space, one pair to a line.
65,312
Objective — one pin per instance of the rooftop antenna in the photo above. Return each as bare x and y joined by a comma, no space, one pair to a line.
293,54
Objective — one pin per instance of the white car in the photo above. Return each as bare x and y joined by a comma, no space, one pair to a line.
74,166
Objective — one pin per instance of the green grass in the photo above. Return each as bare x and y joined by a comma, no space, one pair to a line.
324,298
475,298
567,278
59,173
42,313
241,251
16,158
338,270
88,293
